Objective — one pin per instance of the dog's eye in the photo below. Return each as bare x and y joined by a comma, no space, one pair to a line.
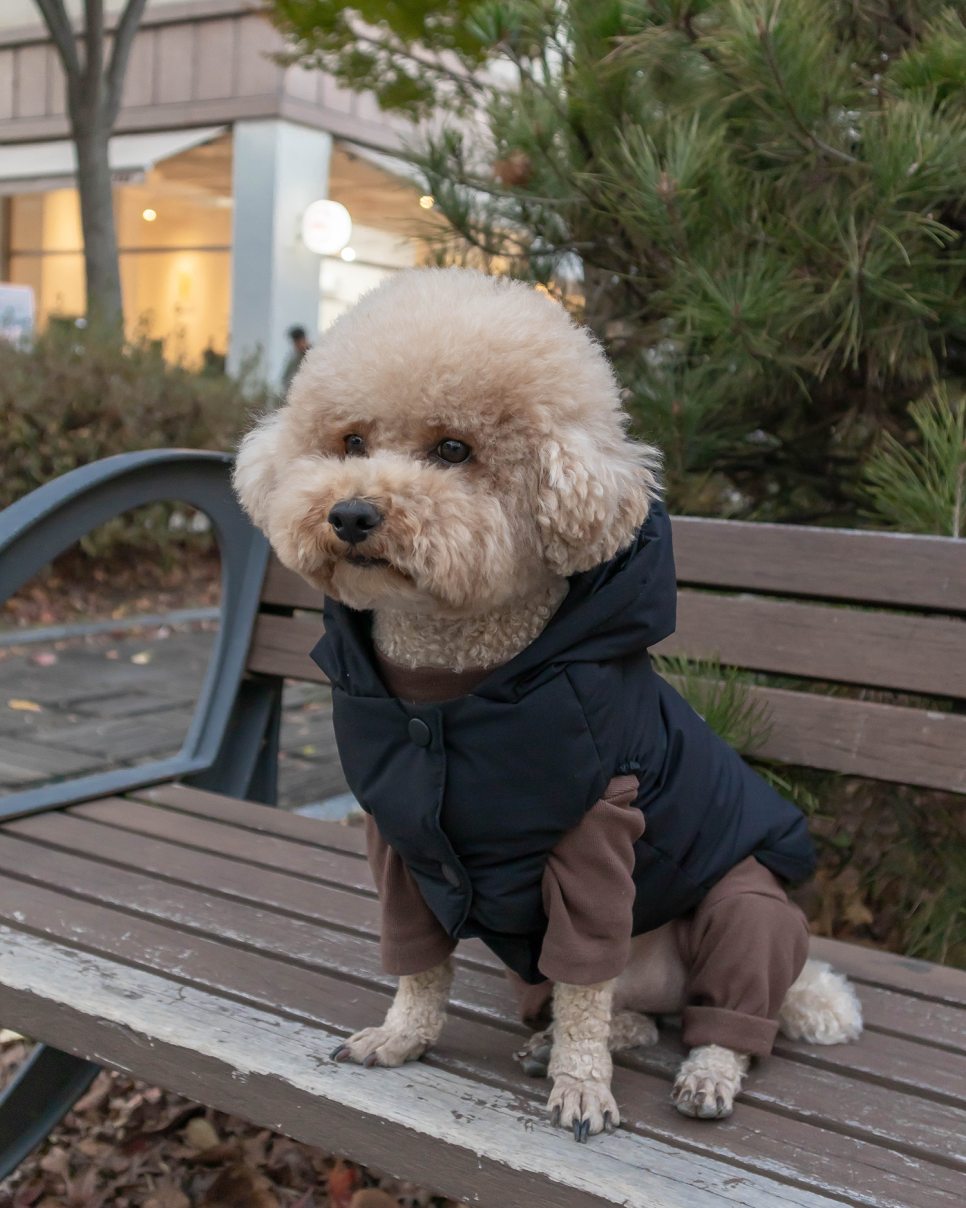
453,451
355,446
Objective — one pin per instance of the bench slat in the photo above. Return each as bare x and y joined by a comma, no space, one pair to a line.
872,966
846,564
219,808
281,646
295,940
912,1124
863,738
348,910
485,1144
903,1064
313,863
285,588
845,645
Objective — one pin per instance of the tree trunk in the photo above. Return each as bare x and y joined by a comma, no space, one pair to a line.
103,275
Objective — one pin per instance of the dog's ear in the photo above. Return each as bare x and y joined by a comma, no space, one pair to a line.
594,493
256,468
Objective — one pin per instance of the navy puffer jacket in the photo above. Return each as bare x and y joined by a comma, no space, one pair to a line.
474,793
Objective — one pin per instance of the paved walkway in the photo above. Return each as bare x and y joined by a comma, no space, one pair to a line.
108,703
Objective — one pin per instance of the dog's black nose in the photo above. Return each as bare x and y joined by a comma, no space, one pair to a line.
354,519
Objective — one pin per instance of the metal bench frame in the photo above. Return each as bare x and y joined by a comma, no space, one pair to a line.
232,744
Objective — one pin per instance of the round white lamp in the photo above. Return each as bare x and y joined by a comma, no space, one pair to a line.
326,227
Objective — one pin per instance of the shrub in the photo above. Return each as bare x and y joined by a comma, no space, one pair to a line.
72,398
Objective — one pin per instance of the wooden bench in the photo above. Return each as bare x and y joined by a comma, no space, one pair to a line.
220,948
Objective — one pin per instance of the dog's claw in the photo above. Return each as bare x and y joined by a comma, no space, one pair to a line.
555,1117
576,1129
608,1123
584,1129
339,1053
370,1061
720,1103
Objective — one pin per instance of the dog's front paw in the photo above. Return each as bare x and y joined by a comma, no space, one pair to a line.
583,1104
708,1081
381,1046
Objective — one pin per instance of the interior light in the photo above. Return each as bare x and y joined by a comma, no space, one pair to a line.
348,253
326,227
427,201
149,215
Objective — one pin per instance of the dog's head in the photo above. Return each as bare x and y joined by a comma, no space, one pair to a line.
453,443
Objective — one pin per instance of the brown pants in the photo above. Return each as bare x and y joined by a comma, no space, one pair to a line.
741,948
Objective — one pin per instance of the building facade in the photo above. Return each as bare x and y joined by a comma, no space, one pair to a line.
217,153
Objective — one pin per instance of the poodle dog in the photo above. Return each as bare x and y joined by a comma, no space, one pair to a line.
451,468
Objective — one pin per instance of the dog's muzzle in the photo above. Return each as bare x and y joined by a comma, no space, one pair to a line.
353,520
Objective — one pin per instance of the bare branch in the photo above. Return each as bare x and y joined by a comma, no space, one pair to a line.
127,27
55,18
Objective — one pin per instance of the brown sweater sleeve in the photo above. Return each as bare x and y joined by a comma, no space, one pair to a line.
588,891
412,938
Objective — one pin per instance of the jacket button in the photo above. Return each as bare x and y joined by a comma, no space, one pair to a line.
451,875
419,732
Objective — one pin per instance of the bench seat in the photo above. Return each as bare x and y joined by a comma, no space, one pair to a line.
221,949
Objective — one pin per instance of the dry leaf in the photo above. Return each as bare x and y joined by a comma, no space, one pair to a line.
214,1155
8,1037
372,1197
43,658
240,1187
56,1161
97,1096
167,1195
342,1181
200,1133
24,706
142,657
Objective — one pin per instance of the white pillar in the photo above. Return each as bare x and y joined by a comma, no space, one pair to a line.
278,169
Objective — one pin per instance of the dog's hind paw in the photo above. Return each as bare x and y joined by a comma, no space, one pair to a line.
381,1046
584,1105
821,1007
535,1054
707,1082
631,1030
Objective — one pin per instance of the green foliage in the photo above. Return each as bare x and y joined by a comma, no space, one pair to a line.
411,54
757,206
74,398
922,489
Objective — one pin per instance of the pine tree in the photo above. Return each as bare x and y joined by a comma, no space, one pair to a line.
763,198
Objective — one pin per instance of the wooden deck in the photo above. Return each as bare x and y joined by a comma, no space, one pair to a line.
222,948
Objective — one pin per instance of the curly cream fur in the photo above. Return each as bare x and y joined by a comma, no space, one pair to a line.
821,1007
580,1062
480,640
553,485
412,1024
708,1081
469,564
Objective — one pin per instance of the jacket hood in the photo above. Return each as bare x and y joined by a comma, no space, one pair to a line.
619,608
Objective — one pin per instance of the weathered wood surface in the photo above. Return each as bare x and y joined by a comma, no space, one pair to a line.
281,646
863,738
896,651
891,569
285,588
160,910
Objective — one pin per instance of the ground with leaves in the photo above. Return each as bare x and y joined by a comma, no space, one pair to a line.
127,1145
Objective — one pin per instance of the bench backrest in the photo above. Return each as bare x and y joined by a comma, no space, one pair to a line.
874,623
